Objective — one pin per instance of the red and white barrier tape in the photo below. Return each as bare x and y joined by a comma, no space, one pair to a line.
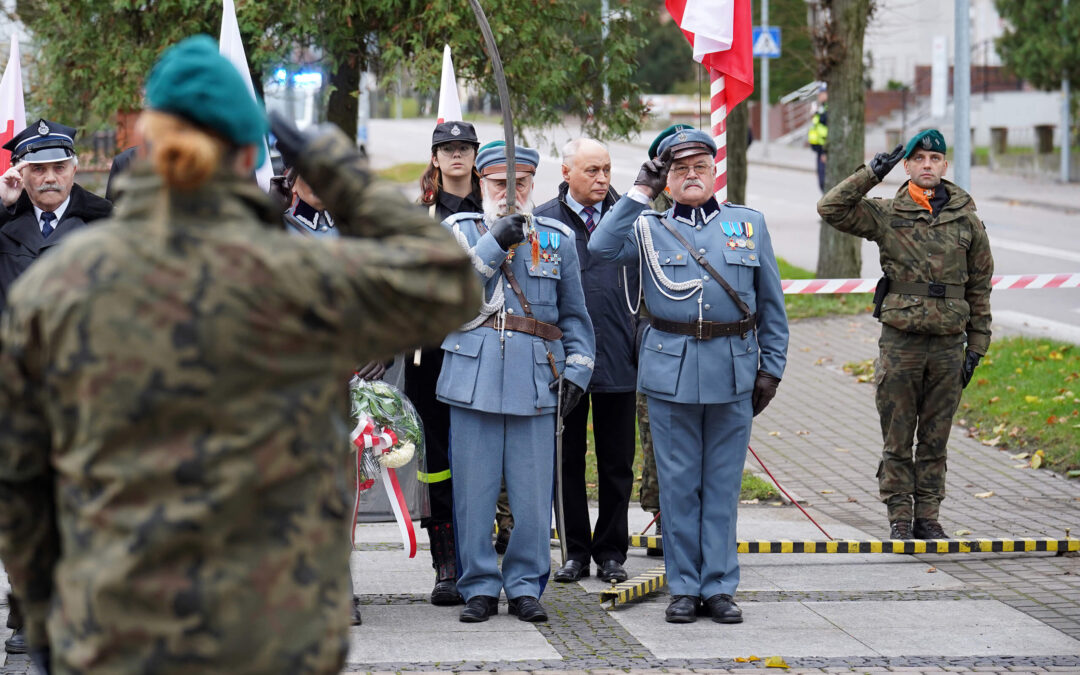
1000,283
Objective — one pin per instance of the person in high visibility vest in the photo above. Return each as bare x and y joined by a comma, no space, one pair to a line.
818,135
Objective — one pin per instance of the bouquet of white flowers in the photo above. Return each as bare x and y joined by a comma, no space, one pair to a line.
388,436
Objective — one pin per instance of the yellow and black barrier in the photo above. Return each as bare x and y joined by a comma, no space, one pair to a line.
907,546
636,587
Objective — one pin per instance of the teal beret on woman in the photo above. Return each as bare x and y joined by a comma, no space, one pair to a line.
193,80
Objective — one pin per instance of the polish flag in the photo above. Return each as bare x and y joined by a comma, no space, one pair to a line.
449,103
12,110
721,34
232,48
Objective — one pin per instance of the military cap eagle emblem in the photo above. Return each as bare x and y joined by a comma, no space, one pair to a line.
927,143
43,129
681,136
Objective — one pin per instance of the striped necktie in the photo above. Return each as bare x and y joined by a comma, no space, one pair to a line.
47,218
590,223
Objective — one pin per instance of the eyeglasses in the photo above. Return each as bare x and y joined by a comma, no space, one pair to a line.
454,148
700,169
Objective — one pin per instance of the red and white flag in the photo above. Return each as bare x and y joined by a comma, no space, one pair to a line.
449,103
12,109
232,48
721,33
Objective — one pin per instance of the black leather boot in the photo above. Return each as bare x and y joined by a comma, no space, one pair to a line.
444,561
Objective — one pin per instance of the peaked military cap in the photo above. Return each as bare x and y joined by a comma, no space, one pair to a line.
42,142
688,142
193,80
448,132
664,134
931,139
491,160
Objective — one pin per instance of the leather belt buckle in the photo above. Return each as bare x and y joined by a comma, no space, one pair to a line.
936,290
702,334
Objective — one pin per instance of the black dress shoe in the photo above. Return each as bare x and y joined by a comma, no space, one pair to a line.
683,609
723,609
446,593
573,570
928,528
16,644
528,608
611,570
479,608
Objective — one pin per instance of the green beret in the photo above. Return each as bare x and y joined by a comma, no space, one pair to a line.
491,144
655,147
193,80
931,139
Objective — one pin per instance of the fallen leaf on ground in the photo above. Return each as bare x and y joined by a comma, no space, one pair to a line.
852,500
1037,459
961,533
1020,455
802,432
747,659
984,495
842,450
931,570
1021,466
774,433
1000,428
748,501
992,442
776,662
827,492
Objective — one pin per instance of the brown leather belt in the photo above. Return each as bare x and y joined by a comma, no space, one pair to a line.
524,324
704,330
930,290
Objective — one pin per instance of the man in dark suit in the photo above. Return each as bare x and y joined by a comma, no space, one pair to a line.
42,203
584,197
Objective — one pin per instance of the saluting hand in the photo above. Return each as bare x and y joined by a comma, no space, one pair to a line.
653,175
883,162
11,186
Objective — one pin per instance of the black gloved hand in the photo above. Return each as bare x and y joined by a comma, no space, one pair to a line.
290,140
509,230
571,394
883,162
971,360
764,390
653,174
372,371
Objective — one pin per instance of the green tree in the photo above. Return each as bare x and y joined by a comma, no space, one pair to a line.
665,57
1039,43
839,32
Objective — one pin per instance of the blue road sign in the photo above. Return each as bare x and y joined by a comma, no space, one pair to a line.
767,42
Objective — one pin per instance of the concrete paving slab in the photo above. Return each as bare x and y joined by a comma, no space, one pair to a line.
788,628
391,572
804,572
946,628
434,634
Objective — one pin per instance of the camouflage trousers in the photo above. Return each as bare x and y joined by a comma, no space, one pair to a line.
918,391
649,492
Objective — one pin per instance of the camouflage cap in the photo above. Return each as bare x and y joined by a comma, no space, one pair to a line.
930,139
193,80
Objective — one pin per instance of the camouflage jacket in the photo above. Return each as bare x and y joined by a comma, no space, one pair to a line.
916,247
172,384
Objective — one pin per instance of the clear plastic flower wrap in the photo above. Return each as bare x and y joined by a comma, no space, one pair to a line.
389,440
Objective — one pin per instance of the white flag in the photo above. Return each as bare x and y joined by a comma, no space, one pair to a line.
712,23
232,48
449,103
12,109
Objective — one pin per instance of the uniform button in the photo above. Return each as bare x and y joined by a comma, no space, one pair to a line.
705,278
544,272
744,259
707,306
491,262
667,261
510,310
509,334
701,251
748,348
660,347
753,257
509,286
457,347
929,255
697,227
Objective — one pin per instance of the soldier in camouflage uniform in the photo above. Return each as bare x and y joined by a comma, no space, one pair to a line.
934,305
173,399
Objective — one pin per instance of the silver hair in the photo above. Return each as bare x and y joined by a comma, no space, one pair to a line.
570,150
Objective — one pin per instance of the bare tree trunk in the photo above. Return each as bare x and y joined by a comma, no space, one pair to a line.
343,106
738,121
841,43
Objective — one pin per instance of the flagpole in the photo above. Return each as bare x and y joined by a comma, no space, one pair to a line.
718,107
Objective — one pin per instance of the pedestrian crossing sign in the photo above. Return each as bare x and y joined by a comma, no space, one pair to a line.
766,42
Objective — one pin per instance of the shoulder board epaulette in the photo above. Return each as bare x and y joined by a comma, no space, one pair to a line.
458,217
650,212
552,223
740,206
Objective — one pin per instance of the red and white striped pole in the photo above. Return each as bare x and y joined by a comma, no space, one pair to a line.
718,108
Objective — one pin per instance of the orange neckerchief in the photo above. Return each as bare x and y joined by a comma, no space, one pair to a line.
921,196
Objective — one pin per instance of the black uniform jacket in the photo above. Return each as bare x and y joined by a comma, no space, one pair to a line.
605,298
20,235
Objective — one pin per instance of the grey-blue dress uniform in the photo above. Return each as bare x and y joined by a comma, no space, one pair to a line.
699,389
502,409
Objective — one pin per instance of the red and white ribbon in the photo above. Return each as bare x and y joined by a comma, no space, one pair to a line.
380,439
999,283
